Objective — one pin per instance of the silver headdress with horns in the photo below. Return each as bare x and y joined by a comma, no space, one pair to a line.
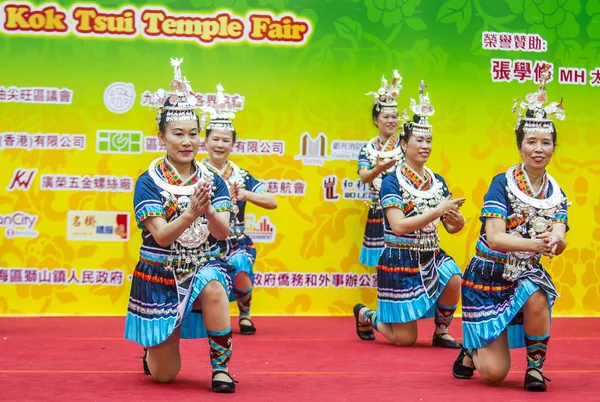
221,117
423,110
182,102
540,117
385,97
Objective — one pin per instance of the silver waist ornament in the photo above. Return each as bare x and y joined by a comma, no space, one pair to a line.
191,248
423,201
536,215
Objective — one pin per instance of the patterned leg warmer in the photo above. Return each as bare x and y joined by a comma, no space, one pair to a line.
244,300
372,317
536,350
443,315
220,348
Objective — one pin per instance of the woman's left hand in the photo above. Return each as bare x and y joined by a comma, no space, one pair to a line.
554,240
454,218
242,194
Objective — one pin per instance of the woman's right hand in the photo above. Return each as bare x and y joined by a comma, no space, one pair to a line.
449,204
382,165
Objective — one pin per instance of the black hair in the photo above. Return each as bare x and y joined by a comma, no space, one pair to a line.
375,112
233,133
163,119
520,133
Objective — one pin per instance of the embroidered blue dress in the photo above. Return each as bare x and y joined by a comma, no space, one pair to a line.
491,303
410,280
373,241
238,249
167,280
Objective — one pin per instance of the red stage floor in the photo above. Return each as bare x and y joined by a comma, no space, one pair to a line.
290,359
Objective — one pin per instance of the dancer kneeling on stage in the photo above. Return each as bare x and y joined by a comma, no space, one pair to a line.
180,288
507,295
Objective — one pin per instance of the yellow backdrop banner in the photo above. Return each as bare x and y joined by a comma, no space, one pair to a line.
76,132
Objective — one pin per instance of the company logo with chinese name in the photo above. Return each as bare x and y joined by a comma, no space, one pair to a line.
314,151
98,225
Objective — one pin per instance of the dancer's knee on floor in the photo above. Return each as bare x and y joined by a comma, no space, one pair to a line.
493,372
404,339
164,376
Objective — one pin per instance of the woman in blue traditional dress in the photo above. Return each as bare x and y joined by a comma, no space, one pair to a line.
507,295
238,249
180,288
377,158
416,278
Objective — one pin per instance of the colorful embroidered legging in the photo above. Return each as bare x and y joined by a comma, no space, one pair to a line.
443,315
536,350
244,300
220,348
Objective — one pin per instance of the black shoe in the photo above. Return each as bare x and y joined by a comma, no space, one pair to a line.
145,362
247,329
441,341
223,387
460,370
533,383
364,334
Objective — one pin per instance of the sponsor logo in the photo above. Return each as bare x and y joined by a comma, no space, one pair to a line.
21,179
98,225
313,151
261,230
119,97
18,224
352,189
119,142
330,188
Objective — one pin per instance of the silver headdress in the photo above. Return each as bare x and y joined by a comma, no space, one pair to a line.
221,117
385,97
423,110
182,102
539,119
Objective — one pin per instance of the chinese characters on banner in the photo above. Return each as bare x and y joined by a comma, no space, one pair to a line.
314,280
42,141
522,70
240,147
61,276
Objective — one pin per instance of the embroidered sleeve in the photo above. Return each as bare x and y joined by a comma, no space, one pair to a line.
147,201
220,201
389,194
561,214
445,190
495,202
254,185
363,161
